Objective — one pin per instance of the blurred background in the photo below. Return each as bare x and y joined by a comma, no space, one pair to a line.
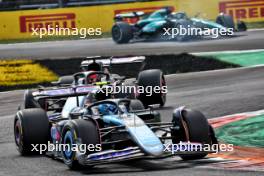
18,16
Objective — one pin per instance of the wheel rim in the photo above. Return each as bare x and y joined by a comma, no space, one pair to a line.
18,133
68,141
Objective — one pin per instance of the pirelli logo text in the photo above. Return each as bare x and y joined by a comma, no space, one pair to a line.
243,9
63,20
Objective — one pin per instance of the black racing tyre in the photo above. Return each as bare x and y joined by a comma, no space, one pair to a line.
136,105
65,80
241,26
29,101
31,126
212,135
198,131
130,92
152,78
85,130
122,32
226,21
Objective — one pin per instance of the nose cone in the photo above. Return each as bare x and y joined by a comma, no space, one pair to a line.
147,140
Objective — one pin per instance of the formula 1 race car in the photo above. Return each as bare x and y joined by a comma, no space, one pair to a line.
96,63
152,26
96,73
114,130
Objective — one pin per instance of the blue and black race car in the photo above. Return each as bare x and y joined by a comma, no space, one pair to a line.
107,131
97,74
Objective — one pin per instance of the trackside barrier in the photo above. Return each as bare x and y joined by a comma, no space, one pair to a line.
19,24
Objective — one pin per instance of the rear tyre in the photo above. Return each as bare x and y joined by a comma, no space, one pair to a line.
129,94
29,101
86,131
122,32
195,129
241,26
226,21
31,126
155,79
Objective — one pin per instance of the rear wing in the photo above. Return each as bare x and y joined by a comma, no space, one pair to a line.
54,98
64,92
113,61
131,17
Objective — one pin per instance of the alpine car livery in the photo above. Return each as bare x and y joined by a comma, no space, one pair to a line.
110,130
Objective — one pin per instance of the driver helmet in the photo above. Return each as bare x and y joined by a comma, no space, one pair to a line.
92,78
107,109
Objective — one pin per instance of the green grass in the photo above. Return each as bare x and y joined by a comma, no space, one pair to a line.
243,59
248,132
240,58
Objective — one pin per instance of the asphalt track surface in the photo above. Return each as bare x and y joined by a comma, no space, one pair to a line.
215,93
106,47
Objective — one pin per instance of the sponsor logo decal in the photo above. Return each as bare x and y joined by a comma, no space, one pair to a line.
243,9
63,20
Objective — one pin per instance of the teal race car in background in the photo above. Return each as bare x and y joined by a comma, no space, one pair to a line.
157,24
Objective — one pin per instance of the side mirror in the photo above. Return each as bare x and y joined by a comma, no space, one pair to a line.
121,78
87,116
77,112
75,115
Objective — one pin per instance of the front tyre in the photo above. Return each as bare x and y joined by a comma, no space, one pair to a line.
194,127
31,127
241,26
122,32
81,132
148,81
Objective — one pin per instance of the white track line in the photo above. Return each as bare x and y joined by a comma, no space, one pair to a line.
228,52
252,113
212,71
